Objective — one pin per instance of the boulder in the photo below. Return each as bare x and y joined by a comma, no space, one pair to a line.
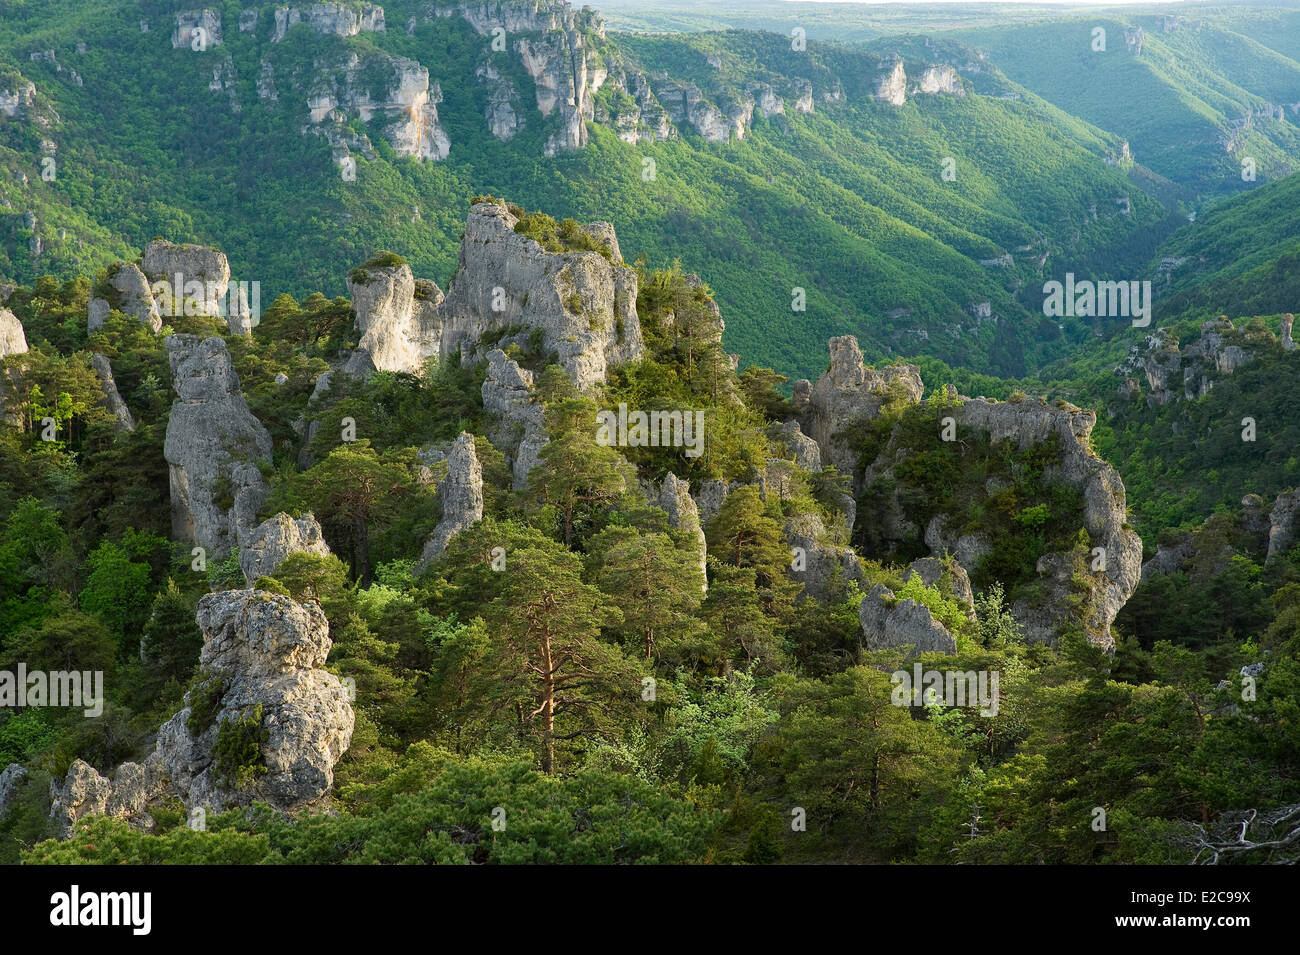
213,443
266,546
823,566
950,579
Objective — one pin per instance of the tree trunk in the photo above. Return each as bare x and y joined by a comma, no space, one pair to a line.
548,707
361,544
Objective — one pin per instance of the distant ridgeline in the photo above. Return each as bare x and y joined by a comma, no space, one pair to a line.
911,195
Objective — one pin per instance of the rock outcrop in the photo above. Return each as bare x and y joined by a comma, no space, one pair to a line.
675,500
10,780
1282,521
13,341
398,318
126,290
204,277
1172,373
197,29
950,580
891,86
822,566
520,432
461,496
331,19
262,654
266,546
1104,515
888,623
582,304
85,792
341,91
807,453
212,447
122,417
847,397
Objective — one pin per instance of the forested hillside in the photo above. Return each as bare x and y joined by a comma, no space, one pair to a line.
464,433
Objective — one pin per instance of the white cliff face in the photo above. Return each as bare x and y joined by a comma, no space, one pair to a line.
197,27
409,103
940,79
18,101
398,319
891,87
332,19
583,304
212,447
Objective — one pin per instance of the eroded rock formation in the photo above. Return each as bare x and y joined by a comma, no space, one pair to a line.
461,496
213,447
266,546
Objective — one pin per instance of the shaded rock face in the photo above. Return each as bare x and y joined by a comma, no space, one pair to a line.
521,428
13,341
504,113
807,453
1104,510
10,780
1282,520
822,566
906,623
164,260
85,792
398,318
675,500
266,546
847,397
583,305
710,498
461,494
132,296
213,443
122,417
266,650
